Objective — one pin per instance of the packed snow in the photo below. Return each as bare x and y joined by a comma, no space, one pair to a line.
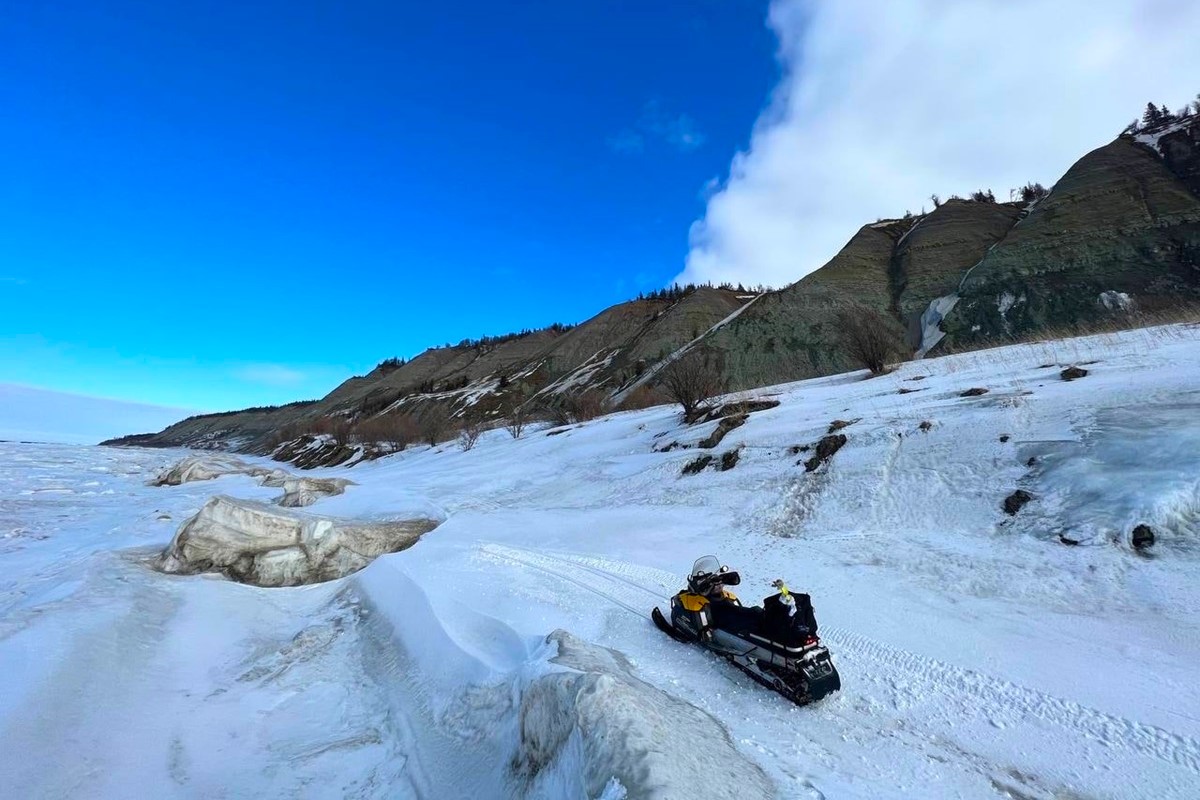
1152,138
509,651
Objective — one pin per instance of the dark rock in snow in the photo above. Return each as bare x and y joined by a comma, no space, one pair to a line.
926,426
1143,537
1015,501
976,392
729,459
697,465
1032,462
1004,438
1067,539
838,424
1071,373
739,408
723,427
825,450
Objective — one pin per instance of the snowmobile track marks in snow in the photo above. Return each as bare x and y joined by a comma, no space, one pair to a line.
987,695
1004,699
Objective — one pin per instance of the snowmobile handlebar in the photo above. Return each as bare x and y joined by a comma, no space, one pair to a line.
706,583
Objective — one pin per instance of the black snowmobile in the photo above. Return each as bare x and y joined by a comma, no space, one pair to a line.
776,644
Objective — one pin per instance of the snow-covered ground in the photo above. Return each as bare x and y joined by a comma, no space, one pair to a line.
981,656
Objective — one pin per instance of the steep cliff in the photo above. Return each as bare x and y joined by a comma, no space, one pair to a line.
1119,231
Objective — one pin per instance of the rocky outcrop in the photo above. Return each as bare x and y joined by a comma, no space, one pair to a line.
894,267
1120,221
265,545
931,260
826,448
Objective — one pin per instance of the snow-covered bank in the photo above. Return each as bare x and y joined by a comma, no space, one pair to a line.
981,656
485,708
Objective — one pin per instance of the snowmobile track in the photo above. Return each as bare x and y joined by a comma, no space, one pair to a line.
987,696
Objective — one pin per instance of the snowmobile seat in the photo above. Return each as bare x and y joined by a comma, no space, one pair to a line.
734,618
788,628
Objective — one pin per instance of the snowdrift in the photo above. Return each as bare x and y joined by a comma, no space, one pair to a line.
297,491
595,726
556,717
256,543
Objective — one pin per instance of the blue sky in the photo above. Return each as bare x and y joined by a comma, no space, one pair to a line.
217,205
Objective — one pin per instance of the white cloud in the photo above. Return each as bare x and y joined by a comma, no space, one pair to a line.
270,374
882,104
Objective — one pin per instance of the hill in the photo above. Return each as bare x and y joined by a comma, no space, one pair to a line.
1113,243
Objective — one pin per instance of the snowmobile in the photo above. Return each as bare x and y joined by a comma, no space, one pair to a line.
775,644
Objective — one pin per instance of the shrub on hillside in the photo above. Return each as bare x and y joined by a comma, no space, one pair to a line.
469,433
1031,192
433,425
868,338
396,430
644,396
572,406
336,427
516,419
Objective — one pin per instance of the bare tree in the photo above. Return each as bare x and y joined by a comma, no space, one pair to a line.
571,406
692,380
335,427
396,430
868,337
469,433
516,420
433,424
644,396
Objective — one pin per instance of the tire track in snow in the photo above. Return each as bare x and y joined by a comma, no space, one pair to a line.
992,697
538,561
999,698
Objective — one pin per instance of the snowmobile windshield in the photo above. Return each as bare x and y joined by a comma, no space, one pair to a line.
709,565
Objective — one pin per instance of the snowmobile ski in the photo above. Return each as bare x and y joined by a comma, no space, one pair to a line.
666,627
